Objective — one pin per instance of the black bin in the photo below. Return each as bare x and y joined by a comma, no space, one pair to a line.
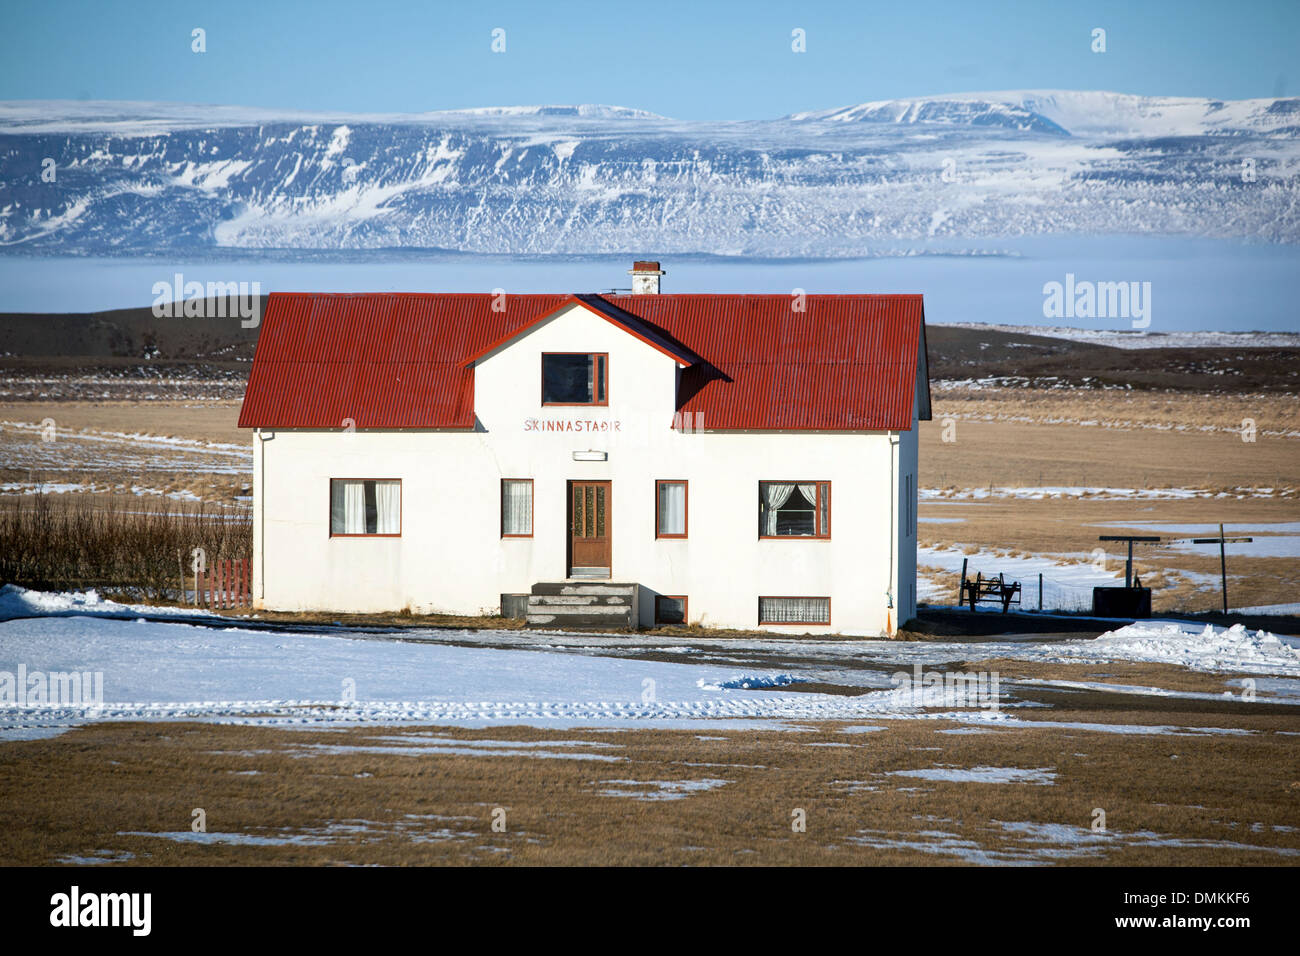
1121,602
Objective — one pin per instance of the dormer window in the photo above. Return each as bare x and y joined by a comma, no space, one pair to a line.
575,378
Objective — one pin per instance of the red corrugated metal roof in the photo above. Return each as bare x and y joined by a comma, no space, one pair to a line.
405,360
847,362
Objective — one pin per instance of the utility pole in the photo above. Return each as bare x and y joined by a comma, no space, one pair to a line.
1223,558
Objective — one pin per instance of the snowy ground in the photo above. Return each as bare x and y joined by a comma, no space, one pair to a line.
156,670
193,670
1279,609
88,450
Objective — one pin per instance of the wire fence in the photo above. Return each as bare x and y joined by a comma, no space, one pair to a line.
1053,595
1038,592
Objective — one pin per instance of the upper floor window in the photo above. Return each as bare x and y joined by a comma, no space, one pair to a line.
794,509
575,378
360,506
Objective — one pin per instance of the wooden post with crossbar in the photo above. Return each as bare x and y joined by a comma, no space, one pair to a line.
1221,541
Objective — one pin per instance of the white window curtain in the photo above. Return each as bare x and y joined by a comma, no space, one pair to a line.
775,494
354,500
338,507
517,507
388,507
348,507
793,610
672,507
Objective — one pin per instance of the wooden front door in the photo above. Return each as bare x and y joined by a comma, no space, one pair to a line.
590,530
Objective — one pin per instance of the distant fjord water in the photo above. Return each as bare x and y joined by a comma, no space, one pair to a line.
1195,284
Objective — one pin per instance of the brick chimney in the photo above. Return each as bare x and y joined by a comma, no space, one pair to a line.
645,277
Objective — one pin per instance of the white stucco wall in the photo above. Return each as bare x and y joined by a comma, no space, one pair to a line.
450,556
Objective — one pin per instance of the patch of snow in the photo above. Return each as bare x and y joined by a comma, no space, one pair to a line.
1201,648
464,748
655,790
100,857
1040,843
1042,776
753,682
19,602
1264,546
1172,528
409,829
1279,609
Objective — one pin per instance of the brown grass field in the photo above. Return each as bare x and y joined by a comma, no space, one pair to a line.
109,791
1169,441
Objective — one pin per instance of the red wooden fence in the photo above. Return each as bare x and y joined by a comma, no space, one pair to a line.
226,583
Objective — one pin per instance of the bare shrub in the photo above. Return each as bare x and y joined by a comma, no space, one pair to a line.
58,542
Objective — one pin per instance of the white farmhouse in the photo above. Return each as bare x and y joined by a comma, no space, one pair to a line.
732,461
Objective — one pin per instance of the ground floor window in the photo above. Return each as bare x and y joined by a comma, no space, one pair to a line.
516,507
670,609
794,509
360,506
794,610
670,509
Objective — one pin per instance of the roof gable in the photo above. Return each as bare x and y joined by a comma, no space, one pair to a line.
611,313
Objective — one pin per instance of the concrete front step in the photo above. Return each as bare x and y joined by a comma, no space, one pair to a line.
582,600
570,604
584,587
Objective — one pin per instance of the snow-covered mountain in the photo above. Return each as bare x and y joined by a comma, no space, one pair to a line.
1069,112
973,111
114,177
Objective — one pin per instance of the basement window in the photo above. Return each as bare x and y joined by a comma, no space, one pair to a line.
575,378
670,609
794,610
794,509
363,506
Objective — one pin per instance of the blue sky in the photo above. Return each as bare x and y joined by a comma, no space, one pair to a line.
693,60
